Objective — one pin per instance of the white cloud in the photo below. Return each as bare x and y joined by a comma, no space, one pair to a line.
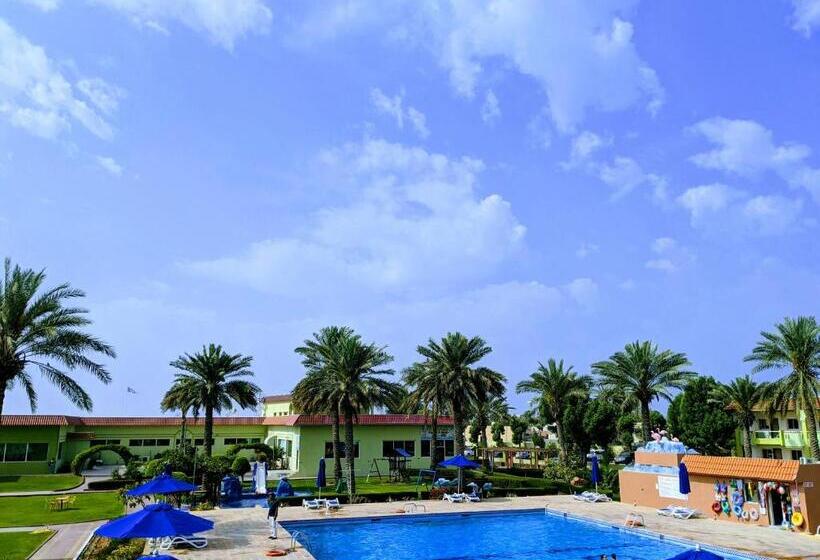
747,148
584,291
772,214
490,110
102,94
581,54
394,107
110,165
624,174
586,249
223,21
806,16
670,256
583,146
706,199
44,5
415,222
34,94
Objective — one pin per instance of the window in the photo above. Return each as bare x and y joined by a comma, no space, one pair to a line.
389,446
15,452
94,442
163,442
255,440
37,452
762,424
775,425
236,441
134,443
447,446
792,424
797,454
149,442
60,450
329,449
201,441
773,453
179,441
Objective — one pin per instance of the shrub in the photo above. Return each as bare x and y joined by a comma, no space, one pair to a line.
100,548
79,462
241,466
110,484
153,467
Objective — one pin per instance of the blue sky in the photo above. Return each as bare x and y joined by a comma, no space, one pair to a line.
560,178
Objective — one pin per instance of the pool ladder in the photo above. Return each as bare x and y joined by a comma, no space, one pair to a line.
294,542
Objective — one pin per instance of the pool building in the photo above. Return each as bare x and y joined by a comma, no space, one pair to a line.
39,444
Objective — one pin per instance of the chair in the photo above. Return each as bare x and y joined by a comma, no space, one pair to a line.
454,498
474,497
183,540
333,505
69,501
310,504
51,505
667,511
684,513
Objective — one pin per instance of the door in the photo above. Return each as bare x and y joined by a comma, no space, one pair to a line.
775,508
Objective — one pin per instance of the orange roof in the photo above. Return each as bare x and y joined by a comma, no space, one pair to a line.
276,398
742,467
361,420
51,420
764,407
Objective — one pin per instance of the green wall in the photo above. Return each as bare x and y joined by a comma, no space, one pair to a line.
49,435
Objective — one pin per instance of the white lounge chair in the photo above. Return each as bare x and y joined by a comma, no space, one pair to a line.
591,497
667,511
684,513
310,504
183,540
474,497
332,504
453,498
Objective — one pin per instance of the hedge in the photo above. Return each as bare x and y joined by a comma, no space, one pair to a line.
109,484
80,460
258,447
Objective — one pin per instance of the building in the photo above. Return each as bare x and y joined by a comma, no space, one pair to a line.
737,489
778,435
38,444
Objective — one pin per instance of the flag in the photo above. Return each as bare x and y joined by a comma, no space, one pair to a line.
131,390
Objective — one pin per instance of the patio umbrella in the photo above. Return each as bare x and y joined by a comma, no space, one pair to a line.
154,521
696,555
683,479
162,484
321,479
596,471
460,462
158,557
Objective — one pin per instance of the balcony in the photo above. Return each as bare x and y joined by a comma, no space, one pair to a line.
767,437
793,439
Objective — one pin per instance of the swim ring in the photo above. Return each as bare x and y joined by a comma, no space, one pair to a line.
738,510
716,507
797,519
746,516
754,515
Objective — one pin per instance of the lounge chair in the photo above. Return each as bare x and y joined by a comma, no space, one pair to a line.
684,513
667,511
592,497
311,504
454,498
183,540
474,497
333,505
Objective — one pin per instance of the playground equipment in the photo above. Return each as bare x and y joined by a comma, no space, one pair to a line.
231,488
260,477
396,466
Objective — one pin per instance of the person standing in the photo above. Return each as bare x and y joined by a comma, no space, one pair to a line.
273,513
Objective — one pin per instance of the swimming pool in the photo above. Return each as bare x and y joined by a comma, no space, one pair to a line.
254,500
513,535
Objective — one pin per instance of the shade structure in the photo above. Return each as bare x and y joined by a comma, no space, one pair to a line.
158,557
596,471
321,477
154,520
683,479
696,555
162,484
460,462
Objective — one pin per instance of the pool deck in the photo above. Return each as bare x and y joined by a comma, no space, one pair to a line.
243,533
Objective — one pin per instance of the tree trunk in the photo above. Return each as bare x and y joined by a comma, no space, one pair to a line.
747,441
209,429
562,443
182,441
350,451
337,445
646,422
434,440
811,420
3,385
458,427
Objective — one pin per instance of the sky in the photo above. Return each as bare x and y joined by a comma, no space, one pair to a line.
558,177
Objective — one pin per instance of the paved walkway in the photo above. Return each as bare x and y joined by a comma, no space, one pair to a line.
242,533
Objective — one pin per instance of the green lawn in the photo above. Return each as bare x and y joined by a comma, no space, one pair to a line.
19,546
33,482
33,511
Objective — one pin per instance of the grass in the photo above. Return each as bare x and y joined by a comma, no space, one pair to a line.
33,511
34,482
19,546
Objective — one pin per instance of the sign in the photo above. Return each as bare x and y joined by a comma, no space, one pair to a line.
808,484
669,487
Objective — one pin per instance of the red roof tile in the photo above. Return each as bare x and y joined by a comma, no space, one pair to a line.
36,420
361,420
742,467
46,420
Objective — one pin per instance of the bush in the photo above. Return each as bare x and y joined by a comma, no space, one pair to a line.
100,548
79,462
179,459
111,484
153,468
241,466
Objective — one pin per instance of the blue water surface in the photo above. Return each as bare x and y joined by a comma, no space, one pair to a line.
520,535
252,500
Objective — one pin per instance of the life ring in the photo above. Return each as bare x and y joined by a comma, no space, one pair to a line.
738,510
754,515
716,507
725,508
797,519
746,516
276,552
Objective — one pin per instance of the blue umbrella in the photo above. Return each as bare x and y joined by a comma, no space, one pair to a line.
459,461
696,555
596,472
153,521
158,557
162,484
683,479
321,479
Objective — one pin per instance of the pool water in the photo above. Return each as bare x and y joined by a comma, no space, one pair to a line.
517,535
252,500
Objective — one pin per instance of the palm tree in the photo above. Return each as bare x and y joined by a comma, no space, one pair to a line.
557,388
742,396
315,393
454,358
427,394
795,345
642,374
484,412
181,397
213,380
38,329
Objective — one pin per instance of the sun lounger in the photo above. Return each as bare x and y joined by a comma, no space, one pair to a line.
474,497
674,511
592,497
311,504
453,498
684,513
183,540
333,504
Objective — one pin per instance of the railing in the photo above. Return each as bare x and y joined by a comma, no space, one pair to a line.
768,437
793,438
294,542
